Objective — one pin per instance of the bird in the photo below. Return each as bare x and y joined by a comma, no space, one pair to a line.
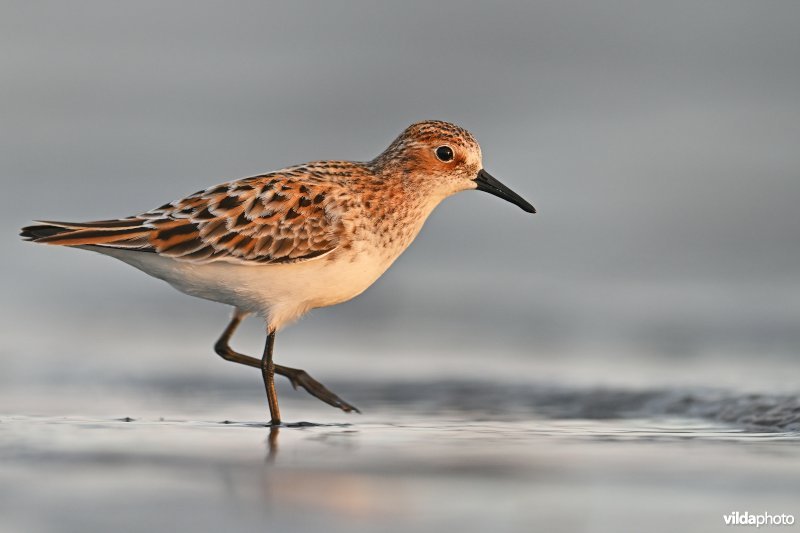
279,244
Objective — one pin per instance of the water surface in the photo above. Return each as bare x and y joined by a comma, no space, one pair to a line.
440,455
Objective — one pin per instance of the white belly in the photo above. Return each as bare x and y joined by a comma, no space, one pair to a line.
279,293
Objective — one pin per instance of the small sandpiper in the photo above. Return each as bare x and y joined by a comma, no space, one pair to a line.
282,243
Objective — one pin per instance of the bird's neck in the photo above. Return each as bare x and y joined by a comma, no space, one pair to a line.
398,206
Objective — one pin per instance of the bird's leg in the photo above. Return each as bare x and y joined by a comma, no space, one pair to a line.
223,347
298,378
301,378
268,373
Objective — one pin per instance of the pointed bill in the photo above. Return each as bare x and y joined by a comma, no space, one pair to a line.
491,185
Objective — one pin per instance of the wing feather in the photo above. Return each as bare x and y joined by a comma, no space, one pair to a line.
281,217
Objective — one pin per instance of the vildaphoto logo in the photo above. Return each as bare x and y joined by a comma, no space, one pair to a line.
764,519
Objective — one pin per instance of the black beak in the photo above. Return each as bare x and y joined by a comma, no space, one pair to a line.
489,184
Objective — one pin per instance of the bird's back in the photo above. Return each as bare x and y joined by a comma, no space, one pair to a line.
276,244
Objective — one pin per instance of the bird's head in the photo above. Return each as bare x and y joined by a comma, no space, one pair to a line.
441,159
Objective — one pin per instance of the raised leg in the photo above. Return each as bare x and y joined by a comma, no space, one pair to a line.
268,373
301,378
298,378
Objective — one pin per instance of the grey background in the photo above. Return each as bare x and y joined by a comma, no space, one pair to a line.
659,141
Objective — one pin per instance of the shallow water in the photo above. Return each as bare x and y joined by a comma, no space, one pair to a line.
441,455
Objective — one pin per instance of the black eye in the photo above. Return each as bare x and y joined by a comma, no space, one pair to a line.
444,153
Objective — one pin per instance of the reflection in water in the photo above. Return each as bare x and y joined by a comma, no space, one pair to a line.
331,438
272,444
516,474
416,473
322,492
538,459
299,487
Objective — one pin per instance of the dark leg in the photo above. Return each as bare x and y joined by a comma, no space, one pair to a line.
301,378
268,372
298,378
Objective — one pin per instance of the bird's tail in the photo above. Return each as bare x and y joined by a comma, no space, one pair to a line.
130,233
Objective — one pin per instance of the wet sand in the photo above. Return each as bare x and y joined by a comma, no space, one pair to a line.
436,456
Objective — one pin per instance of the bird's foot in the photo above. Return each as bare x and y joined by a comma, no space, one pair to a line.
301,378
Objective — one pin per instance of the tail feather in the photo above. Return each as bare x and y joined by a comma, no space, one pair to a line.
40,231
125,233
99,224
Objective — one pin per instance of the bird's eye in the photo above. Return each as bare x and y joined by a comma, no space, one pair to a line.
444,153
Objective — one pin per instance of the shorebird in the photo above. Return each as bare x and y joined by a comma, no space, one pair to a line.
282,243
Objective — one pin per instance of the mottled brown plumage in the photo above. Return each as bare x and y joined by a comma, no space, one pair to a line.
307,236
290,215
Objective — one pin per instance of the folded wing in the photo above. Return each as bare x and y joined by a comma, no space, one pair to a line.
281,217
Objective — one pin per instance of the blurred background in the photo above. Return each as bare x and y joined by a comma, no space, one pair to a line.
658,140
